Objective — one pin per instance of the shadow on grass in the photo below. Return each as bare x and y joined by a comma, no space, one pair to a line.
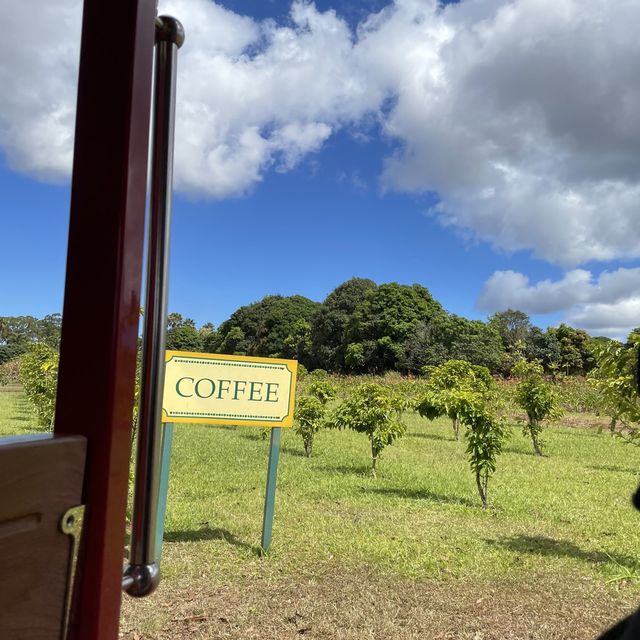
348,470
253,435
293,452
422,494
543,546
612,467
520,452
431,436
207,533
584,432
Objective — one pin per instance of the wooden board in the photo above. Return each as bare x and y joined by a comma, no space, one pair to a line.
40,478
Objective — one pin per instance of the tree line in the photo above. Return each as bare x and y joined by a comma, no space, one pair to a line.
360,327
19,333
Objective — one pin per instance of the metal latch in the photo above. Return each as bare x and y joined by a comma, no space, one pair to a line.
71,525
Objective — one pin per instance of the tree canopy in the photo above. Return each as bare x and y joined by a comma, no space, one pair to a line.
18,333
330,324
360,327
382,323
263,328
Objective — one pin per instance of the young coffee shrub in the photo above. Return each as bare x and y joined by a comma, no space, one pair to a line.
470,401
322,389
39,377
448,387
535,396
374,410
485,435
309,416
616,380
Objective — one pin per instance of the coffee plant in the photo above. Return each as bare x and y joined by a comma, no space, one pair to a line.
534,395
374,410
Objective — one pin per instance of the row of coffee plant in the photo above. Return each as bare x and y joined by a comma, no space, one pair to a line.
479,407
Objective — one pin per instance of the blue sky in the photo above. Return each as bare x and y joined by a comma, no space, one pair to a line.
315,146
302,232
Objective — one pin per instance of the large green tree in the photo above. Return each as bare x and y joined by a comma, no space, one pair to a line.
513,326
19,333
427,345
382,323
451,337
297,344
576,350
543,347
331,323
262,328
182,334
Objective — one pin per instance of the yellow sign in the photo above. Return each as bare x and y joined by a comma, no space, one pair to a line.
220,389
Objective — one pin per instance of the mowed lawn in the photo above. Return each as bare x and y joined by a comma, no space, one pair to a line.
409,555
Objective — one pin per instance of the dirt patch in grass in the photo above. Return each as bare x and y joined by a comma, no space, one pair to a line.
570,420
586,421
356,605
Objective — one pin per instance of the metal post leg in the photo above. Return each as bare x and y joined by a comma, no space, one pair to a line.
270,497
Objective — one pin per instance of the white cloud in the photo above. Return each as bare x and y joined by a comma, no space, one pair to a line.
240,113
614,320
523,115
607,305
251,96
38,74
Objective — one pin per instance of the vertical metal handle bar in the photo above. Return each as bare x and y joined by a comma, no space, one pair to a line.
142,575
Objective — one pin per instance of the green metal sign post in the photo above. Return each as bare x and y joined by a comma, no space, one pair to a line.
270,496
165,464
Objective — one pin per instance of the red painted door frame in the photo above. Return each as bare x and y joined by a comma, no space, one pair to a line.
102,291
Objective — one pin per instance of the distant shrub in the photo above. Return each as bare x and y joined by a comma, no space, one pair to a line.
39,377
322,389
535,396
309,415
616,380
448,388
576,395
374,410
10,372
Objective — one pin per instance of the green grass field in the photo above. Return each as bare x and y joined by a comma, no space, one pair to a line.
409,555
